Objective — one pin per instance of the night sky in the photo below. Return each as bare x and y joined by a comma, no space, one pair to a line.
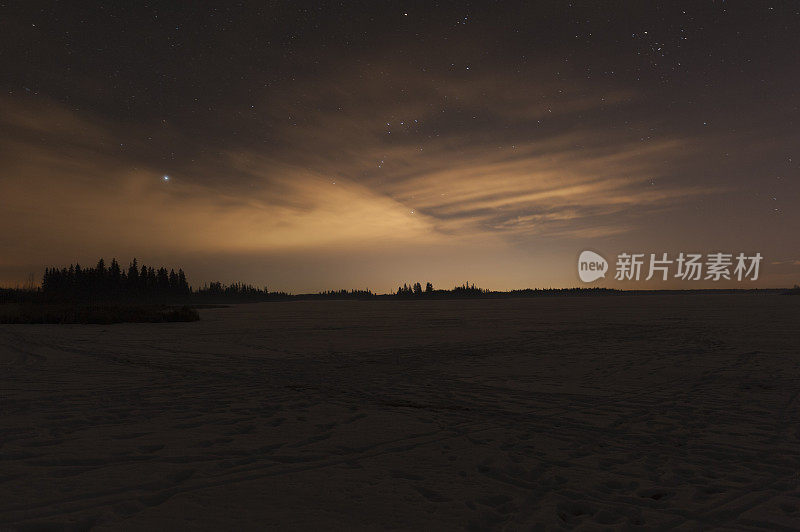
313,146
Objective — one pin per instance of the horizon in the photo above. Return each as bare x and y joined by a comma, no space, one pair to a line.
646,286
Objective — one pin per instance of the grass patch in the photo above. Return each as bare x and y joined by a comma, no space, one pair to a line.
104,314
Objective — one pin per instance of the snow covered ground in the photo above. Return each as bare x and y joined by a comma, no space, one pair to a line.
645,411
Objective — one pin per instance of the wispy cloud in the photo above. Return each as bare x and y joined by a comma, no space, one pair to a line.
337,169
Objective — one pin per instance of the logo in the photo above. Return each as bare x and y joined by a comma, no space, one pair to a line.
591,266
685,266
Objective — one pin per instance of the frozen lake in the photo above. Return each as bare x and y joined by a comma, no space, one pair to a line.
649,411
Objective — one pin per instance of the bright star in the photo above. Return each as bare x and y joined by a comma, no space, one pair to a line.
166,178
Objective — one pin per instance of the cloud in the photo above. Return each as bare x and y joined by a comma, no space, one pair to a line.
331,174
468,152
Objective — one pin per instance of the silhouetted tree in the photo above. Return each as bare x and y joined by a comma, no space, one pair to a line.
114,270
133,275
173,282
184,286
144,280
162,280
348,294
101,282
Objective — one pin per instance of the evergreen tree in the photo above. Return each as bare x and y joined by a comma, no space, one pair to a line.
144,282
133,274
151,279
115,275
173,282
162,281
184,286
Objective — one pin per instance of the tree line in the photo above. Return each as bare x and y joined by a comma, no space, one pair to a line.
237,291
345,294
416,290
141,283
112,281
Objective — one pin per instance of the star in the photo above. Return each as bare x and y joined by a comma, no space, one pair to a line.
166,177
